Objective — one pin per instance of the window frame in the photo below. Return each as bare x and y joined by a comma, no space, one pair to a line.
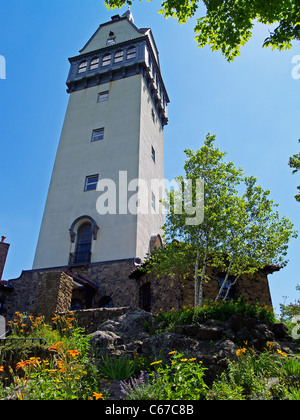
93,63
103,96
119,58
87,184
106,62
82,68
95,132
129,52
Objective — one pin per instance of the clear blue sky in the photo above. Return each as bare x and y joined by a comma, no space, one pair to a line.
252,105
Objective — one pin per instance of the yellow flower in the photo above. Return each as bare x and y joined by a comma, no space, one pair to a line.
156,363
192,359
172,352
98,396
183,360
1,369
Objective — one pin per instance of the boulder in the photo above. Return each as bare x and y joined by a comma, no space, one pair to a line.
104,342
131,326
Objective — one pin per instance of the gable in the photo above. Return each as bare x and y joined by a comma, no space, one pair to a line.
121,28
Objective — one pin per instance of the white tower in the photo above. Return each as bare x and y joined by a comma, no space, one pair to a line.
111,137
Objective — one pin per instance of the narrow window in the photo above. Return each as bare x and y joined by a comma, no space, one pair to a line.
106,60
153,153
98,134
102,96
131,53
84,244
152,115
94,63
91,182
118,56
153,201
82,67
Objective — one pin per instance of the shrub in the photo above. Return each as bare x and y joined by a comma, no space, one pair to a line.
181,379
215,310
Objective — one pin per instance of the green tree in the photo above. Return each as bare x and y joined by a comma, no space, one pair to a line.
227,25
256,234
238,234
294,163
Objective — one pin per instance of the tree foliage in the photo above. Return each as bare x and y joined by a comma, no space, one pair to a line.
294,163
227,25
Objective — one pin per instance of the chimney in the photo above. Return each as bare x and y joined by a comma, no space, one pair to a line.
3,254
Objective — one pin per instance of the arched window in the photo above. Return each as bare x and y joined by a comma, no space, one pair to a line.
94,63
131,53
106,60
82,67
84,243
118,56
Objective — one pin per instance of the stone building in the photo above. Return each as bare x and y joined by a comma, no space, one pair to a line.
103,211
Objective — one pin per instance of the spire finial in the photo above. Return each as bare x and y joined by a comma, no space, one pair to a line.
128,15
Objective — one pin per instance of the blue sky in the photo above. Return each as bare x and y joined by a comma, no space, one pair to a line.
252,105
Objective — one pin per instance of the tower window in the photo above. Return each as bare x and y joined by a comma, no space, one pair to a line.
111,41
102,96
84,244
153,201
98,134
119,56
94,63
106,60
153,153
91,182
131,53
82,67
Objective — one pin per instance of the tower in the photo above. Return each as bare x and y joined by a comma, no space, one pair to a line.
103,198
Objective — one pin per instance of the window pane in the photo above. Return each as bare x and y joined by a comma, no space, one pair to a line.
102,96
82,67
98,134
91,182
94,64
131,53
111,41
106,60
118,56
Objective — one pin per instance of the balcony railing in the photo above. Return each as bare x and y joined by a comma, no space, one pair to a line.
80,257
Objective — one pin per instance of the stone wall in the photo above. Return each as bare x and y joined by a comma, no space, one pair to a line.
38,293
112,279
53,294
91,319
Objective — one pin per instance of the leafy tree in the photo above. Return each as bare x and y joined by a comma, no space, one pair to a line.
257,235
294,163
227,24
238,234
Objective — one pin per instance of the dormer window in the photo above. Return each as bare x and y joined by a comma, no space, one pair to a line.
131,53
94,63
119,56
106,60
110,41
82,67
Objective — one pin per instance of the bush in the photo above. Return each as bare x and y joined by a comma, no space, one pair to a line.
215,310
181,379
